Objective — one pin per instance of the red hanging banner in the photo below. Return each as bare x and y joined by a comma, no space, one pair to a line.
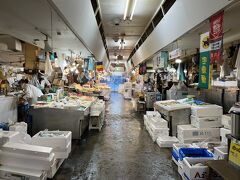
216,37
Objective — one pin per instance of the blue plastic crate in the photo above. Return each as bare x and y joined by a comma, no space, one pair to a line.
194,153
174,155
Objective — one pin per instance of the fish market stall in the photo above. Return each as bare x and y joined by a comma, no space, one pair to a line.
68,114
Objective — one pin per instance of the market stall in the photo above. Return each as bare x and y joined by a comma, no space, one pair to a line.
69,114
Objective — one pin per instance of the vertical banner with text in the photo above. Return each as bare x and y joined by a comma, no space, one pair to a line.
204,62
216,37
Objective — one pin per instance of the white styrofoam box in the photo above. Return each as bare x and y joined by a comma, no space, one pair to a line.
180,169
174,160
14,173
20,127
9,136
197,140
207,110
159,131
190,132
206,122
223,133
145,118
54,168
62,153
227,121
178,146
153,113
158,122
195,172
167,141
220,152
26,156
53,139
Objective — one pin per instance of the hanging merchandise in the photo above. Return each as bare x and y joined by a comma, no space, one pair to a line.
99,66
204,62
48,66
216,37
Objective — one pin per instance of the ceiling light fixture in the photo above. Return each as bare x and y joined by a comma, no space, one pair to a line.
133,9
178,61
126,10
129,9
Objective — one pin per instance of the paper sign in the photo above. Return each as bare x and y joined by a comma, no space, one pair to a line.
234,153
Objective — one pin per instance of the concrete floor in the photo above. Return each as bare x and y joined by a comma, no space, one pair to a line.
122,150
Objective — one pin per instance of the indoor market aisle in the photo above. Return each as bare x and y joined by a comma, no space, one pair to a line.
122,150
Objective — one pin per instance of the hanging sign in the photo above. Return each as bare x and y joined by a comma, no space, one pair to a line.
175,54
204,62
216,37
204,42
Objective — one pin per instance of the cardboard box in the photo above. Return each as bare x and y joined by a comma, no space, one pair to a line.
206,122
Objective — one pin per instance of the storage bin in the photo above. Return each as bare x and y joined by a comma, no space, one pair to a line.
200,153
178,146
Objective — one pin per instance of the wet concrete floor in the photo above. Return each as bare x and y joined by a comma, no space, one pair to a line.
123,150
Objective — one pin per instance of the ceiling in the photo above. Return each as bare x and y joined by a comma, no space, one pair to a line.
130,31
26,19
231,29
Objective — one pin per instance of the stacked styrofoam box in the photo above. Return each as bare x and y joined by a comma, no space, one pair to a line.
188,164
190,134
206,122
150,114
19,127
227,121
25,156
194,172
157,127
13,173
223,133
60,141
97,108
8,136
166,141
221,152
206,116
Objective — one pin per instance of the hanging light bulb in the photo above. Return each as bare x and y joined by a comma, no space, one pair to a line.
178,61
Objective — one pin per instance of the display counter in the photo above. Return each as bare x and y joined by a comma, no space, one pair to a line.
61,116
8,109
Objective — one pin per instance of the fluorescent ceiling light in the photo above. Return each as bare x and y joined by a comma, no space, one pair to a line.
133,9
178,61
126,10
129,9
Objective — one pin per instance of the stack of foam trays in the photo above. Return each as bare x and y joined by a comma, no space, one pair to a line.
38,160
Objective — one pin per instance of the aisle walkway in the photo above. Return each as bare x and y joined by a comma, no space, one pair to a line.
122,150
